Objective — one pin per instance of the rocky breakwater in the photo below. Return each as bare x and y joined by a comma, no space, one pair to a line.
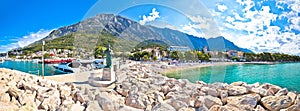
138,88
25,92
145,90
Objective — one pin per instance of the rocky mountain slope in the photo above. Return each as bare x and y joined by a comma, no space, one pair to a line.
129,30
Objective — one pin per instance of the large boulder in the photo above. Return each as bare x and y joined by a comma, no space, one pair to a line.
223,95
65,91
8,107
198,103
237,90
77,107
181,96
292,95
51,100
225,108
4,97
210,91
67,102
93,106
27,98
137,100
282,92
249,100
178,104
29,107
296,105
260,108
210,101
15,92
261,91
106,103
275,103
238,83
165,89
3,88
163,107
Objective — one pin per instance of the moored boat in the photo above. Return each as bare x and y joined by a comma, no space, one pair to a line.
66,67
57,61
99,64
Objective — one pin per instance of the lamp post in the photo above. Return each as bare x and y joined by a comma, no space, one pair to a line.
43,67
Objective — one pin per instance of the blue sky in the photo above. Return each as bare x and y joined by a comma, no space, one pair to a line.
269,25
28,20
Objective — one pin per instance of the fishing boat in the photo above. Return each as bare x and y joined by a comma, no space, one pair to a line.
66,67
57,61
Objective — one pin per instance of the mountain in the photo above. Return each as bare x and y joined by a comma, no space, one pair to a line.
127,33
222,44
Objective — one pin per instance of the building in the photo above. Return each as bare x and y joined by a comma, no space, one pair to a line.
234,53
155,52
179,48
205,50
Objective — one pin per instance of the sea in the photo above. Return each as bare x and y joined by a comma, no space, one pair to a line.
284,75
29,67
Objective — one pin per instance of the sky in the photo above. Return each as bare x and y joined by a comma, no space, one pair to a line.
259,25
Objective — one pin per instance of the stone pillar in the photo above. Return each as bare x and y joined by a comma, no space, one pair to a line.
106,74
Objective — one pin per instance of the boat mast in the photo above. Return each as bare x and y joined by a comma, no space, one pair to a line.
43,67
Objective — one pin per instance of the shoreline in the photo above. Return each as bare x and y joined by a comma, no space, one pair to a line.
139,88
171,69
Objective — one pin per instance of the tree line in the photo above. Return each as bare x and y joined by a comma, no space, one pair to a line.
272,57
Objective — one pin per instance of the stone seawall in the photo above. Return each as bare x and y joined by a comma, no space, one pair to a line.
141,89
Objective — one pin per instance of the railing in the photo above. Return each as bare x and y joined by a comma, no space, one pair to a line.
35,72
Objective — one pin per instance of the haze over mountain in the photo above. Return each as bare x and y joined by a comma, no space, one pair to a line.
133,32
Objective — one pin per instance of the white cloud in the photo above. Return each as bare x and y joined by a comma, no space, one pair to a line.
253,30
190,29
248,4
201,26
26,40
295,23
152,16
229,19
222,8
238,17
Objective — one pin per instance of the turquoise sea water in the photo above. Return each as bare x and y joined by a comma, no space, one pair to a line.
284,75
28,67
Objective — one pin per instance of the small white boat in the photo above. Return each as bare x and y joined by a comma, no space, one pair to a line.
36,60
99,64
66,68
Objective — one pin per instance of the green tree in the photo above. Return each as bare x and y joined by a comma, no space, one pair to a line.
46,55
99,52
145,57
174,55
155,58
190,55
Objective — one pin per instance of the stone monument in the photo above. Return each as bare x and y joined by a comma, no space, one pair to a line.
108,53
107,70
107,77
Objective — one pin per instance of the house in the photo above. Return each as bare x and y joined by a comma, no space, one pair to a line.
179,48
